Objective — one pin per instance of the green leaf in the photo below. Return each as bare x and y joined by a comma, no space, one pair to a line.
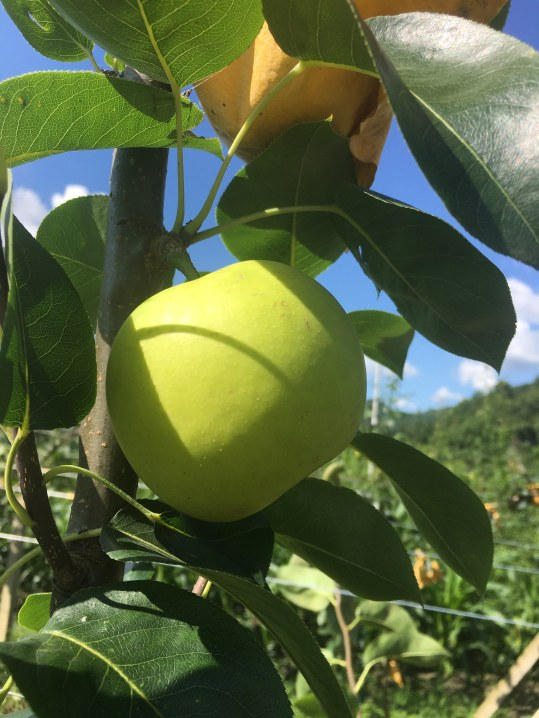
147,649
340,533
440,283
388,616
164,38
35,611
47,31
385,337
304,586
136,540
6,222
411,647
466,99
130,537
114,63
477,147
327,33
74,234
292,634
241,547
23,714
308,707
47,356
4,182
446,511
501,18
206,144
45,113
139,572
300,169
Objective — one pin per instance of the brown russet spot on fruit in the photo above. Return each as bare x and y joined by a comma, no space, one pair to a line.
356,103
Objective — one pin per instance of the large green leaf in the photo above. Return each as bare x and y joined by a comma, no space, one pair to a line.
136,540
388,616
74,234
440,283
467,100
47,356
47,31
446,511
240,547
4,182
292,634
303,585
411,647
336,530
385,337
144,649
326,32
212,145
300,169
501,18
45,113
165,38
5,231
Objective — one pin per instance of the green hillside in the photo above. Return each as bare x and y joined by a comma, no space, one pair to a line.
491,440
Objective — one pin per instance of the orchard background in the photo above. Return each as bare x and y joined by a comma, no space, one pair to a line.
486,171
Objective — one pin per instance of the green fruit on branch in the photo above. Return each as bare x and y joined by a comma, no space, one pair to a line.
227,390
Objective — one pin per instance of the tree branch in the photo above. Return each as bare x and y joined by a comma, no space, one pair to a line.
135,268
68,576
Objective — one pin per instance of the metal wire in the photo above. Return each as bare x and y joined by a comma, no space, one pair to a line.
500,566
411,604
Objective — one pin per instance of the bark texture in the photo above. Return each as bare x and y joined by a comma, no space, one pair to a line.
135,268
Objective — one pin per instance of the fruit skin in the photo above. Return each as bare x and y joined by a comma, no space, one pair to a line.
227,390
356,102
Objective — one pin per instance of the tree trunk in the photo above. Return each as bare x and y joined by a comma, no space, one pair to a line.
134,269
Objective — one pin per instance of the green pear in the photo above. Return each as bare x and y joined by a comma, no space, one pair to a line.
227,390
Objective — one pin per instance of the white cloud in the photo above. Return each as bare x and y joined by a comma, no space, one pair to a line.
403,404
526,301
28,208
523,352
480,377
370,367
443,395
71,191
410,370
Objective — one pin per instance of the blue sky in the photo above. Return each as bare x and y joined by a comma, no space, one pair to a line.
433,377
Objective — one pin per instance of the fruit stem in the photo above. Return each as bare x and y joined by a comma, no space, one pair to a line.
19,509
263,214
178,256
192,227
72,469
5,689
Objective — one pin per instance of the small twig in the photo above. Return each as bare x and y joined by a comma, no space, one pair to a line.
347,643
177,256
200,586
67,575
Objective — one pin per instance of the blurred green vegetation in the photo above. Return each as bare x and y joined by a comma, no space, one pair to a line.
492,442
